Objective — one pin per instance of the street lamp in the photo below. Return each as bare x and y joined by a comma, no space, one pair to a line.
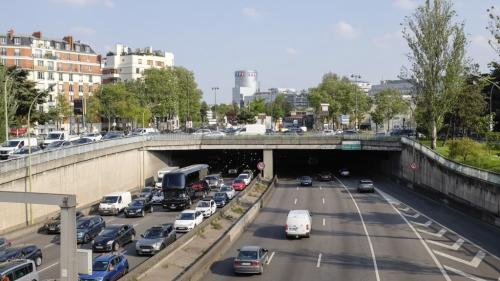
215,102
7,77
356,77
491,96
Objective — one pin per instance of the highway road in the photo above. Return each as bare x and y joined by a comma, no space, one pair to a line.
392,234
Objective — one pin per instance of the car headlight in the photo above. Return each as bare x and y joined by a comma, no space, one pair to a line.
157,245
79,234
110,242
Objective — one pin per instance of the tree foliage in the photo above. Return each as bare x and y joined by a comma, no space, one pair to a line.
389,103
279,108
465,148
494,28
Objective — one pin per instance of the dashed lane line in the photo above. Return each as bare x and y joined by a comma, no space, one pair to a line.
323,200
375,266
49,266
439,234
319,260
295,201
270,258
453,247
466,275
414,216
297,188
49,245
324,222
320,187
473,263
405,209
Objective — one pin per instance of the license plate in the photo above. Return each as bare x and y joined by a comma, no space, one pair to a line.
98,247
182,228
245,263
52,228
292,228
146,250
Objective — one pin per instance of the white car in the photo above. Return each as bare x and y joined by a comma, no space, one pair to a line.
229,190
244,177
344,172
188,220
93,136
157,197
207,207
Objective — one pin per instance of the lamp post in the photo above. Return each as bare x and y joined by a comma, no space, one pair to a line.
215,103
7,77
356,77
491,96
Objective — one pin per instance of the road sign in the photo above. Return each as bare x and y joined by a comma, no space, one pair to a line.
351,145
261,166
413,165
344,119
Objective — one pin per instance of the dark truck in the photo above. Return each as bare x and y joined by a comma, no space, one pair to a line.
182,186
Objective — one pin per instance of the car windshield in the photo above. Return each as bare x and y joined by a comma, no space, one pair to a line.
306,178
109,232
186,216
239,181
225,188
100,266
247,255
54,136
110,199
220,195
83,224
137,203
153,233
203,204
10,143
174,180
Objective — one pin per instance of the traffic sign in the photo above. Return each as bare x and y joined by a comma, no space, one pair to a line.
261,166
413,165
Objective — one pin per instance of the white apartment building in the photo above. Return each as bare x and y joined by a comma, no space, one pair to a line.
125,64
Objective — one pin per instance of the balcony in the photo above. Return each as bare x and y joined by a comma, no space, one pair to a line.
40,68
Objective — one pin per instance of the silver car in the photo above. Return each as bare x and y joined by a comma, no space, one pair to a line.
366,186
214,181
250,259
155,239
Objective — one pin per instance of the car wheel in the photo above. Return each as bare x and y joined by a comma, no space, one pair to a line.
143,213
162,247
116,247
86,238
126,270
38,261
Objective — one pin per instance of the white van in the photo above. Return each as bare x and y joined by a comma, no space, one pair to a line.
14,145
114,203
252,129
298,224
59,136
19,270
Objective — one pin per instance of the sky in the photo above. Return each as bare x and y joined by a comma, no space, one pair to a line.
291,43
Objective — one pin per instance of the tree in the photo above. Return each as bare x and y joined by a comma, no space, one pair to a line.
246,116
258,106
61,111
437,58
279,108
109,98
389,103
93,109
203,111
377,118
465,148
494,28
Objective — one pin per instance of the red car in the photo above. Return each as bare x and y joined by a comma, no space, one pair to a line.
201,188
239,185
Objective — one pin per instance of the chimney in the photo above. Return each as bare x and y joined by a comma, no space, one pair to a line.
10,34
69,39
37,34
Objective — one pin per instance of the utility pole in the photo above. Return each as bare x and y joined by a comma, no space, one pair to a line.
356,77
215,102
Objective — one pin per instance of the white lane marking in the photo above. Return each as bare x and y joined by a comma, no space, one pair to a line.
375,266
135,224
319,260
391,200
453,247
415,216
49,266
320,187
438,234
295,201
49,245
323,200
405,209
270,258
466,275
478,258
426,224
297,188
324,222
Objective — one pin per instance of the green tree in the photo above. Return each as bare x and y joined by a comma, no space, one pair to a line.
279,108
110,98
203,111
246,116
377,118
465,148
494,28
61,111
258,106
437,60
93,110
389,103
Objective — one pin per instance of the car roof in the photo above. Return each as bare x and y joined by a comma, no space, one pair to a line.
105,257
88,218
298,212
4,266
114,226
118,193
250,248
188,211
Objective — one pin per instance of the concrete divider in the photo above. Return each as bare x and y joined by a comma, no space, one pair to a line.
200,266
137,272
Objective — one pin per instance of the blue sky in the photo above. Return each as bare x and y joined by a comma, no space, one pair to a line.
290,43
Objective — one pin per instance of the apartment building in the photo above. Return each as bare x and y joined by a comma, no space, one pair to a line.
125,64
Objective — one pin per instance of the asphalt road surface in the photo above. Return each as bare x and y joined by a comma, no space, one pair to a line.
392,234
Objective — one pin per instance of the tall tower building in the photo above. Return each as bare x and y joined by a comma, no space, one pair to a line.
245,84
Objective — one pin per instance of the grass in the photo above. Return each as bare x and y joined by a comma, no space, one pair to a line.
485,160
237,210
215,224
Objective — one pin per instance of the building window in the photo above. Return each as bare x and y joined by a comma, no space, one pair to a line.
71,87
50,98
150,62
3,61
61,88
3,40
50,65
80,78
17,41
38,54
90,68
60,76
51,75
80,88
17,52
40,75
58,45
137,70
140,61
87,49
91,89
40,63
18,62
3,51
77,48
71,77
90,78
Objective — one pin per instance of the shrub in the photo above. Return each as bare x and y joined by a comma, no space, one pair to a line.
493,140
465,148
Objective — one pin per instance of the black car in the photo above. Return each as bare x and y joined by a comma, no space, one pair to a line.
57,145
30,252
306,181
53,226
113,236
113,135
221,199
138,208
4,243
325,176
87,228
82,141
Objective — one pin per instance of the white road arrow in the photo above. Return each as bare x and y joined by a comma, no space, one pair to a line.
439,234
473,263
426,224
466,275
412,216
405,209
453,247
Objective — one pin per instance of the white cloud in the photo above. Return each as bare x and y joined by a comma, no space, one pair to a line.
250,12
345,30
83,30
291,51
480,41
405,4
389,40
107,3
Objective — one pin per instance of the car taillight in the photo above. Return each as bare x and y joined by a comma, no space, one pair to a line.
237,263
255,263
286,226
307,226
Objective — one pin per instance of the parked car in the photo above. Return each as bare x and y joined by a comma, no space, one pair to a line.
344,172
81,141
4,243
57,144
214,180
18,270
157,197
229,190
138,208
188,220
93,136
239,185
306,181
107,267
298,224
366,185
245,177
216,134
221,199
53,226
30,252
87,228
325,176
114,203
155,239
250,259
207,207
113,236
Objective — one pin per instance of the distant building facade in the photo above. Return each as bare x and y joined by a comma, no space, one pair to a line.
125,64
364,86
246,84
403,86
